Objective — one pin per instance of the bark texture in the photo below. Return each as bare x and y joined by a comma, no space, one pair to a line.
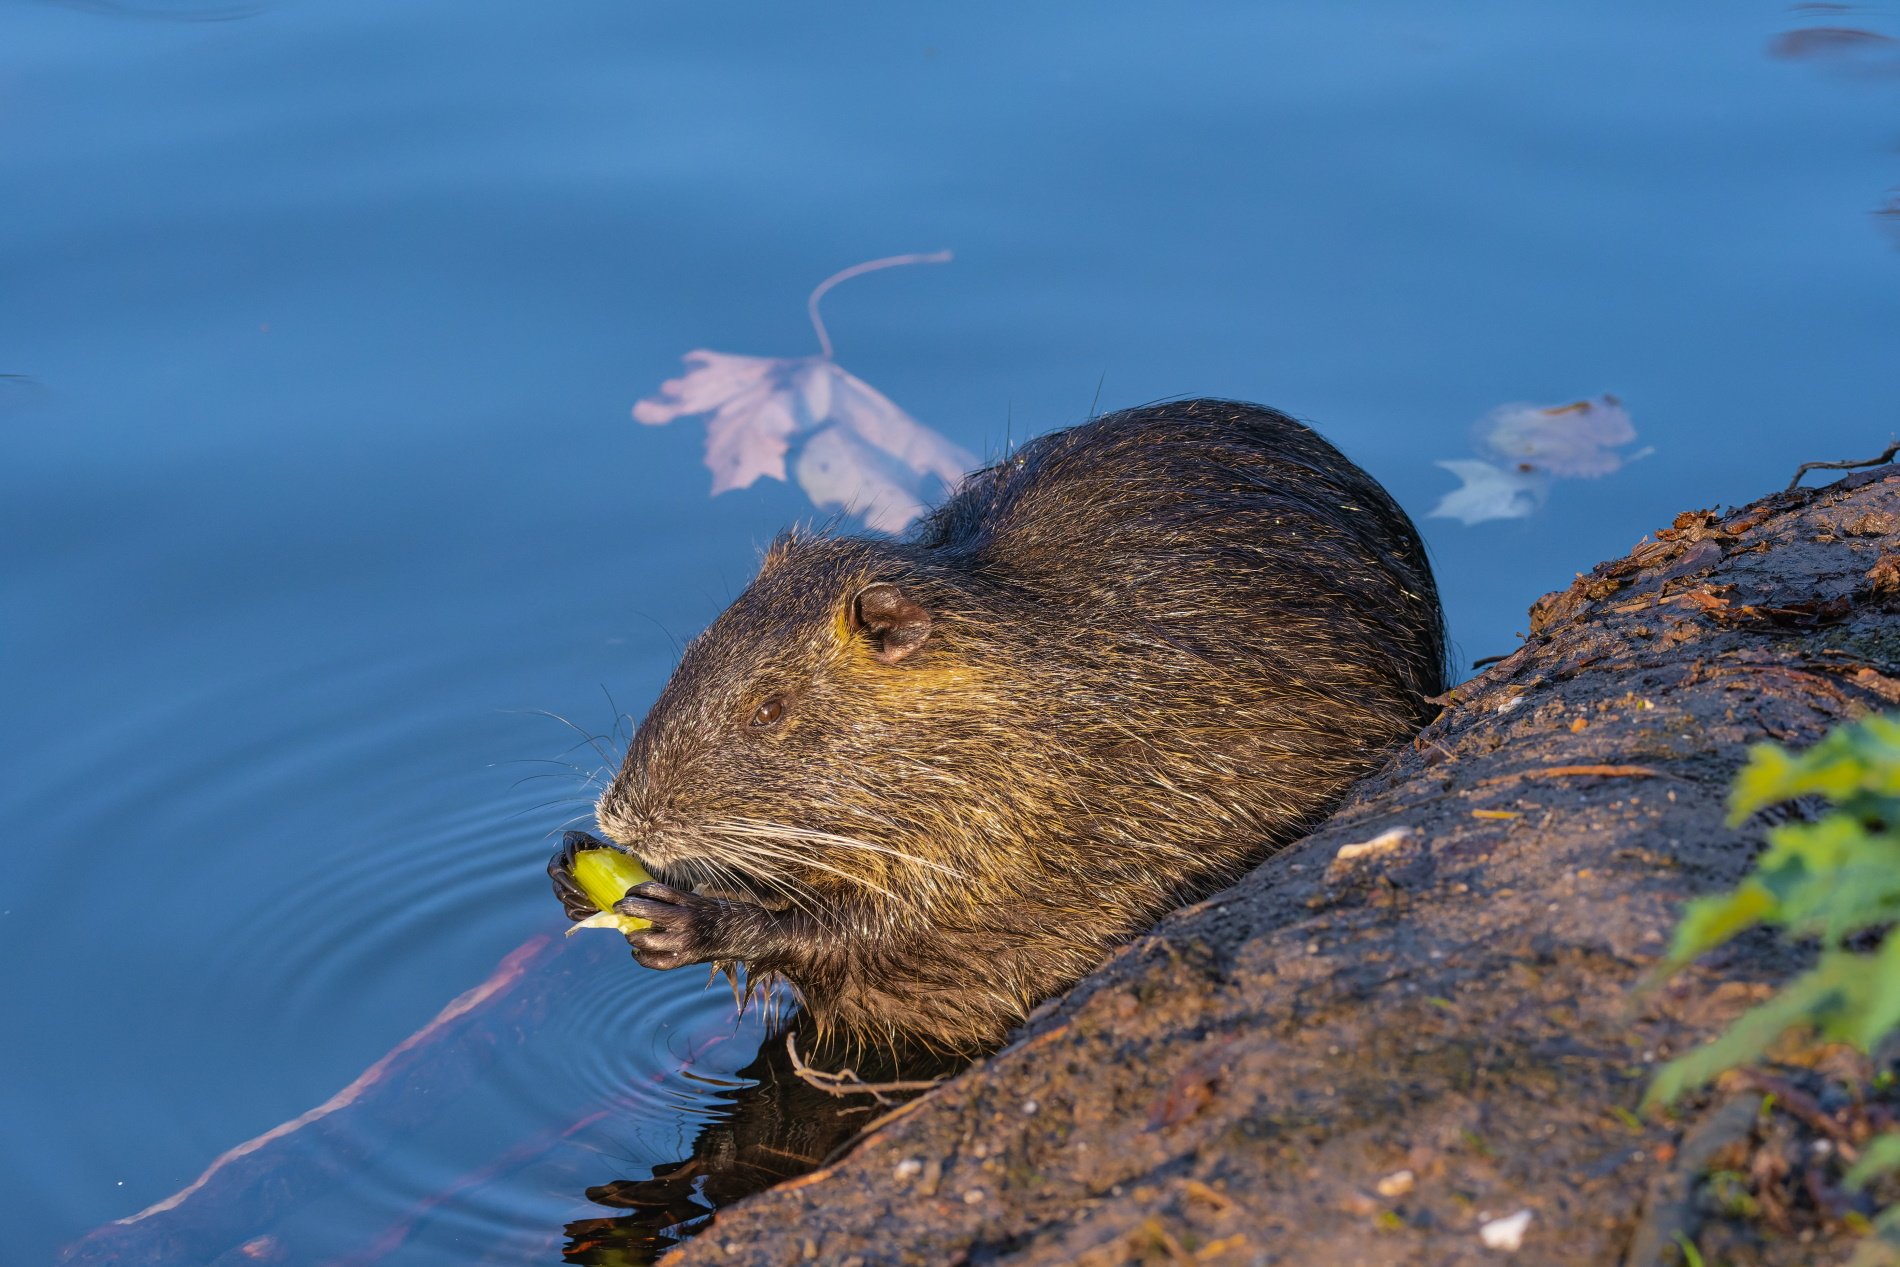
1395,1038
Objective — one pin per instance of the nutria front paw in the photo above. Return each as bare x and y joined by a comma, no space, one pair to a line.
574,899
686,928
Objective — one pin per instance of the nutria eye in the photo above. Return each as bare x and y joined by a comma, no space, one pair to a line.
768,713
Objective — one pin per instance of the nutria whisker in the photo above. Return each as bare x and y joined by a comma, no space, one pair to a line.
591,740
794,891
587,778
754,829
560,829
754,847
801,897
747,871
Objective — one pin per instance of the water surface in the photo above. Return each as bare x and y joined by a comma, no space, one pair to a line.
321,493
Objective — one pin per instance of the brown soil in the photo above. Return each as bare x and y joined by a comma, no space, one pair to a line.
1365,1056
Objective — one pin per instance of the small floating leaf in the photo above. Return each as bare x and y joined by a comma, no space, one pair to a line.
1490,491
1523,447
1570,441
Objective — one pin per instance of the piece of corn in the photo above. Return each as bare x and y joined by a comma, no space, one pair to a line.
605,875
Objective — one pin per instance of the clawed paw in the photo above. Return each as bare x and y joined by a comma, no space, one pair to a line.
574,899
684,927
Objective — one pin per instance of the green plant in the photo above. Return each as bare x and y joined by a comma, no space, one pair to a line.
1835,879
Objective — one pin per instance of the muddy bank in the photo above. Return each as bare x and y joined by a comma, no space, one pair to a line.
1396,1052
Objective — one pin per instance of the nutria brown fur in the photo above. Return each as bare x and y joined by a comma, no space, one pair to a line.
931,782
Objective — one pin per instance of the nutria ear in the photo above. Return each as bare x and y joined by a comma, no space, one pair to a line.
895,625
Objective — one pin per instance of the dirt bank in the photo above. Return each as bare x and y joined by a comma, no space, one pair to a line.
1391,1053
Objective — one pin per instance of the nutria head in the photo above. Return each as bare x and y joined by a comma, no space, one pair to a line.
808,739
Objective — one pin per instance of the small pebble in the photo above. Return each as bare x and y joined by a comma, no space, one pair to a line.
909,1168
973,1197
1506,1233
1397,1184
1030,1107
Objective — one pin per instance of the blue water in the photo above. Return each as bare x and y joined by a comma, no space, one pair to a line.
319,489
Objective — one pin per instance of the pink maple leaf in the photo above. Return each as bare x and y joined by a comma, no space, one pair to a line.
750,427
860,452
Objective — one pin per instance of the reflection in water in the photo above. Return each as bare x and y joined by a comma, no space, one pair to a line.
778,1123
157,11
345,1182
1849,51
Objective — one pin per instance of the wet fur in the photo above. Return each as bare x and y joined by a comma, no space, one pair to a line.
1158,645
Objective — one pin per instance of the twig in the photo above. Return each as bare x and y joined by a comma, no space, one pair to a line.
1577,771
846,1081
1805,467
1802,1106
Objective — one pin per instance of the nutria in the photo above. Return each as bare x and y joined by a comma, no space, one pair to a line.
930,782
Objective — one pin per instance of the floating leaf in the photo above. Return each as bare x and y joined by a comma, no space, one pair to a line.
751,425
1490,492
840,471
860,452
1573,440
1525,446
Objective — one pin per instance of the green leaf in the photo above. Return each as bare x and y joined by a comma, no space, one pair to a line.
1861,761
1879,1009
1832,878
1881,1155
1882,1249
1817,998
1763,780
1707,922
